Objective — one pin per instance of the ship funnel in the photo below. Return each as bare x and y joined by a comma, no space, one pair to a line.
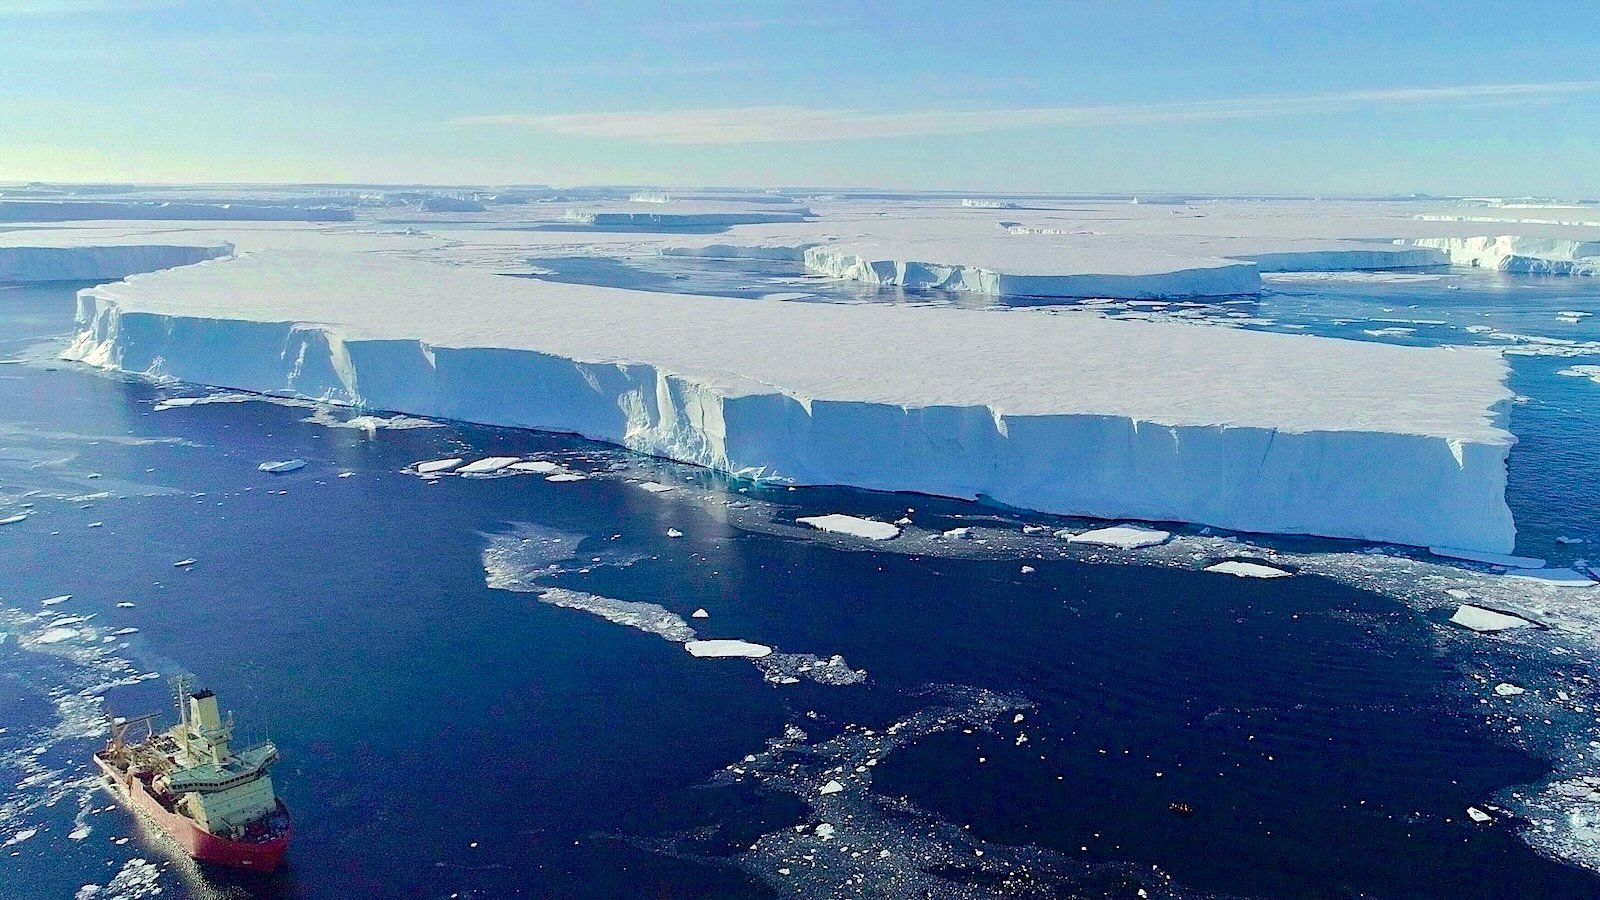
203,711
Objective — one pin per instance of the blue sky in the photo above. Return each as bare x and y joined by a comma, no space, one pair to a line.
1223,97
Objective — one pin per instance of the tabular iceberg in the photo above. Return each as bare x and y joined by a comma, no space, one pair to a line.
1151,421
98,263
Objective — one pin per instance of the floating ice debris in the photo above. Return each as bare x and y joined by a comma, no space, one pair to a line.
1458,593
13,519
346,474
486,465
674,533
1506,689
959,534
566,476
790,668
79,833
655,487
1563,539
726,648
185,402
1553,577
1245,569
55,601
434,466
541,466
1027,570
647,617
1590,372
124,605
1486,621
56,636
1126,537
20,836
700,614
282,467
1489,559
185,563
832,787
838,523
1479,816
97,524
824,831
125,631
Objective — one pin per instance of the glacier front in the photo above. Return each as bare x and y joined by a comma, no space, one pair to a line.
1242,430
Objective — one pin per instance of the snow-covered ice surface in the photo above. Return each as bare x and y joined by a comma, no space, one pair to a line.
1146,409
1125,537
1246,569
838,523
1486,620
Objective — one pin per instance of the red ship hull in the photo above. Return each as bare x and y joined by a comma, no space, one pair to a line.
257,856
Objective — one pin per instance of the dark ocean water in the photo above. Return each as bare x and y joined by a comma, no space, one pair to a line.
442,738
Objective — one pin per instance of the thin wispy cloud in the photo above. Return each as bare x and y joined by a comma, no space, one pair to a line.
802,124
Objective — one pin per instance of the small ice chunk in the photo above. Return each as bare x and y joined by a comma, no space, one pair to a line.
825,831
1490,559
1563,539
838,523
1507,689
283,466
674,533
1479,816
832,787
79,833
56,636
1245,569
486,465
655,487
55,601
1126,537
1486,620
540,466
125,631
959,534
185,563
346,474
1552,577
1027,570
12,520
566,476
20,836
724,648
434,466
700,614
1458,593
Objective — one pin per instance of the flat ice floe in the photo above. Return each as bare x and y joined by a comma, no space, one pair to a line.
1125,537
435,466
839,523
282,467
1164,421
1479,619
487,465
1590,372
1246,569
56,635
1570,578
1503,560
13,519
720,648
